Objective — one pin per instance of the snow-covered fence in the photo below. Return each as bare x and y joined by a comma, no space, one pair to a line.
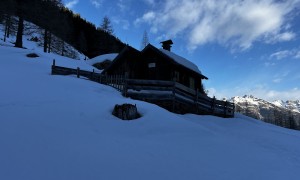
59,70
168,94
116,81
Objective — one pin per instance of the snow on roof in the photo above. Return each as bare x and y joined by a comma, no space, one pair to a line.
101,58
180,60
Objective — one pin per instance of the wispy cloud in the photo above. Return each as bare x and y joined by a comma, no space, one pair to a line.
297,56
277,80
96,3
281,37
280,77
230,23
123,6
291,53
71,4
125,24
281,54
150,2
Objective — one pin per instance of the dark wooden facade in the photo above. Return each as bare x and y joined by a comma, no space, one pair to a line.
153,64
127,64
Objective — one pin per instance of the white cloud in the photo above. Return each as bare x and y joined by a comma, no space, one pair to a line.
230,23
96,3
281,54
125,24
297,55
123,5
291,94
150,2
292,53
277,80
147,17
287,36
71,4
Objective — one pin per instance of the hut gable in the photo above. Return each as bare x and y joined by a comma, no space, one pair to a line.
126,63
182,61
173,58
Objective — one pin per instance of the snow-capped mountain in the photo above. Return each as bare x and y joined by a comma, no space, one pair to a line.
291,105
282,113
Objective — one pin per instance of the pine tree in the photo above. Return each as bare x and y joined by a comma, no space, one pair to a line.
106,25
145,40
20,10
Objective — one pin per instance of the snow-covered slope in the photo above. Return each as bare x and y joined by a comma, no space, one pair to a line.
33,40
61,127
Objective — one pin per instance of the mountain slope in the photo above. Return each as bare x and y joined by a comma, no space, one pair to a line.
291,105
61,127
285,114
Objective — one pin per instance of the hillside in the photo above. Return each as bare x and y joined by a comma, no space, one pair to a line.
61,127
281,113
53,19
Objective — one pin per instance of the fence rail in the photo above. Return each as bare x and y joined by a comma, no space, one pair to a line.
156,90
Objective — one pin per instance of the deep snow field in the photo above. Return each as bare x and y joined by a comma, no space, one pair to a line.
61,127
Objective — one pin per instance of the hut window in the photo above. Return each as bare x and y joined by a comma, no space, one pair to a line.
192,83
151,65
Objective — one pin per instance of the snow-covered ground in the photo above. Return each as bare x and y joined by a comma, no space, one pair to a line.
61,127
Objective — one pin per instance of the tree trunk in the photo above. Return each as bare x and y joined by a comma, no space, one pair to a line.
45,40
8,21
62,47
6,29
49,42
19,40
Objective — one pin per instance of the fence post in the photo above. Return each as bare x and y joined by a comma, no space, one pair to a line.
78,75
213,105
196,101
173,94
93,73
53,67
225,108
125,86
119,83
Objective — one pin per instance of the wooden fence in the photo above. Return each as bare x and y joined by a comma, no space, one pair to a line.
168,94
177,94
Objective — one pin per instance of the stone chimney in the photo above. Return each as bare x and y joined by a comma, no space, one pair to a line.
167,44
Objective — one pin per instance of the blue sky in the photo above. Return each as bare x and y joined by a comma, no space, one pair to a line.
242,46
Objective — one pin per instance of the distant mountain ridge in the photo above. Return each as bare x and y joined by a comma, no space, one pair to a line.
281,113
291,105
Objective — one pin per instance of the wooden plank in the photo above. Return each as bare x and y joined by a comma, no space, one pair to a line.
149,82
142,96
63,72
135,87
184,100
184,88
186,95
